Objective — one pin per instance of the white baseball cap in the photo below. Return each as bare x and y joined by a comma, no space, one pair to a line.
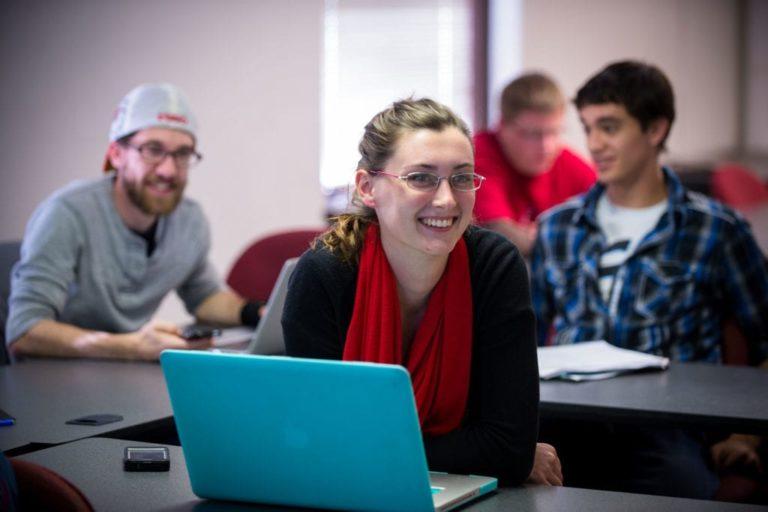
150,106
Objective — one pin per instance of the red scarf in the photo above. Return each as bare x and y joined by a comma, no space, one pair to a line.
441,352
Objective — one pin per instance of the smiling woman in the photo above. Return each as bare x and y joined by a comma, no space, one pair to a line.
407,280
418,224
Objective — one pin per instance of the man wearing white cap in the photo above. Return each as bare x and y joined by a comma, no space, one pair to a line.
99,256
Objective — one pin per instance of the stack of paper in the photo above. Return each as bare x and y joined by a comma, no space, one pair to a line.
593,360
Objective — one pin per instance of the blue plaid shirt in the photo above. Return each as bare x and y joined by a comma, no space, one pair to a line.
697,267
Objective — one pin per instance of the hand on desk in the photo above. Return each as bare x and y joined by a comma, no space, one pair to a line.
51,338
159,335
737,450
546,466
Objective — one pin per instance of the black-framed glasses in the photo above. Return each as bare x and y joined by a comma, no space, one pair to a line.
153,154
427,181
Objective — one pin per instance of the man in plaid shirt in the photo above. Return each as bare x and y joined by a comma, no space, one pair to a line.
646,264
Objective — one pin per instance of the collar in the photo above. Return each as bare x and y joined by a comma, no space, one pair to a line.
676,197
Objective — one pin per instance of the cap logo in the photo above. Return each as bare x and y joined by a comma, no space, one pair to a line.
175,118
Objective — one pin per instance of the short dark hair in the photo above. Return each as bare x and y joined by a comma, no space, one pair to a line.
643,89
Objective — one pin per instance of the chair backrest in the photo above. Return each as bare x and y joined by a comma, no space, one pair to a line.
9,255
735,346
43,489
254,273
737,186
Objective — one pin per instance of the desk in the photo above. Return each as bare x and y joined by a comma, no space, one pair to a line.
699,395
42,394
95,466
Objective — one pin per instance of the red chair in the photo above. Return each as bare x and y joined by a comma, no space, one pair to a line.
255,272
735,346
43,489
742,489
737,186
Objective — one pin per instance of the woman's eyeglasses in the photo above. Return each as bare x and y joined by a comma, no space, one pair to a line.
427,181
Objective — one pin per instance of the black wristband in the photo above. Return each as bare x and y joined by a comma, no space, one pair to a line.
249,315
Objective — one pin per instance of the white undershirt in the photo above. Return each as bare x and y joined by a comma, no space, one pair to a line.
623,228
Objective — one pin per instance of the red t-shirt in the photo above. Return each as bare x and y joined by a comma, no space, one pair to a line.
508,194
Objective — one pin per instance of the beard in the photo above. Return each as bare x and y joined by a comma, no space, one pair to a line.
151,205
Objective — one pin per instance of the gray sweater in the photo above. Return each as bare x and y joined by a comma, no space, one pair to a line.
81,265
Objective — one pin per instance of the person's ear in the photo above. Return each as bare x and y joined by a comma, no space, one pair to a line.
116,153
657,130
364,187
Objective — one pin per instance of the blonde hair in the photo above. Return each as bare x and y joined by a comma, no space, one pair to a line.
346,234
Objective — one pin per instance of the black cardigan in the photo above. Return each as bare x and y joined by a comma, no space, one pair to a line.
498,434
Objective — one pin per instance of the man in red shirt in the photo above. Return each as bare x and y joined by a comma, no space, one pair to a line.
528,169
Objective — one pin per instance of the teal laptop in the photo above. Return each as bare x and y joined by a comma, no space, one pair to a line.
306,433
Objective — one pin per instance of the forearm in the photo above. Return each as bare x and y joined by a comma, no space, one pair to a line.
500,439
56,339
221,308
499,435
501,450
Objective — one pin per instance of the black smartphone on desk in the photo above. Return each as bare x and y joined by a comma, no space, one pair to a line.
146,458
199,332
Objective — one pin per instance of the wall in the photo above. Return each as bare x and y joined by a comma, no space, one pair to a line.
694,41
756,94
505,51
250,69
